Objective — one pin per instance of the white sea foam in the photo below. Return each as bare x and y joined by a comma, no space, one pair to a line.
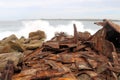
30,26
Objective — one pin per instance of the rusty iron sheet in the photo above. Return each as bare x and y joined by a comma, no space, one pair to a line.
101,45
109,23
53,44
43,75
81,64
75,34
67,58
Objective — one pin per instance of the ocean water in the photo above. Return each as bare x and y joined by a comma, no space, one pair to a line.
24,27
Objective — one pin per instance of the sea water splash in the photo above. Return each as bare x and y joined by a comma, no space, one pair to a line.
50,30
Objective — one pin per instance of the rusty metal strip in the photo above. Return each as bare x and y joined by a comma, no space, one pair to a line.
75,34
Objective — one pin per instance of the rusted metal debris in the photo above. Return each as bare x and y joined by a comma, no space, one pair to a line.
80,57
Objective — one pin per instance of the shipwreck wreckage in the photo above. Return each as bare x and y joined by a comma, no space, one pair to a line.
81,57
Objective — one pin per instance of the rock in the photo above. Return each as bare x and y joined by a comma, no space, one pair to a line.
7,39
1,47
16,45
37,35
5,49
33,44
16,57
22,39
34,41
11,44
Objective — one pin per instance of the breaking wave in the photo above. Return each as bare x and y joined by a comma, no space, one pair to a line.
34,25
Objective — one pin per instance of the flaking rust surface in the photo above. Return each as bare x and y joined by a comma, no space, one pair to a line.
86,57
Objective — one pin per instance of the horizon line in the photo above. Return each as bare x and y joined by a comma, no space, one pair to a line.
83,19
